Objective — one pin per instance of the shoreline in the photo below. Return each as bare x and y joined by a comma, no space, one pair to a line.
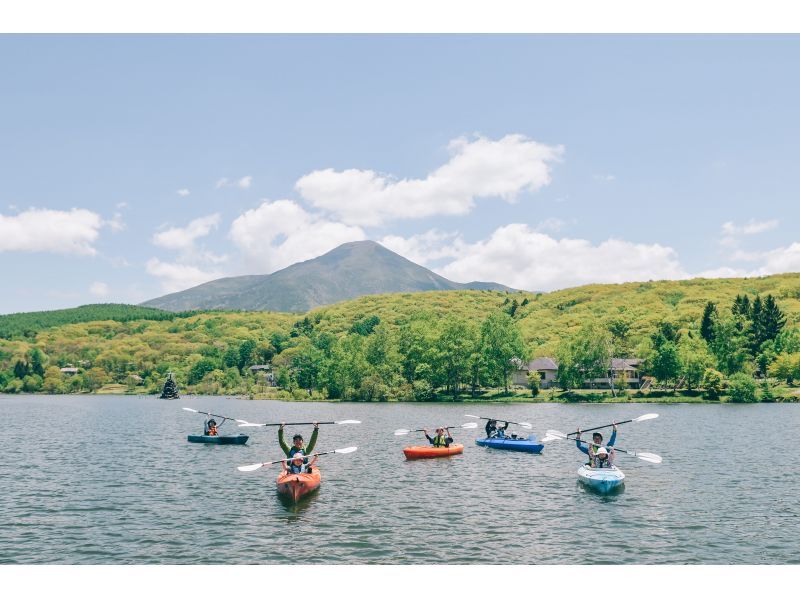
673,400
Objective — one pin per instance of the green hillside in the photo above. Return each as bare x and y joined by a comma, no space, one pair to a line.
399,345
28,324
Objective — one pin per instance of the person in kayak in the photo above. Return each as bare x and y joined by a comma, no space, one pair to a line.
501,432
295,466
440,440
593,449
210,428
297,442
491,428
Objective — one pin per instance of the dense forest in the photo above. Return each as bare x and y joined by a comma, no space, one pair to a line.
733,337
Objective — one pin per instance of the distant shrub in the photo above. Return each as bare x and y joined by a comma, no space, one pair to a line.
742,388
713,383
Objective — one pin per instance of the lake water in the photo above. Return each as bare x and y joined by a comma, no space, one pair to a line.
106,479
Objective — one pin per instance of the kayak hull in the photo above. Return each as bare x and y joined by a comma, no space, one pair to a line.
520,445
601,479
432,452
297,485
229,439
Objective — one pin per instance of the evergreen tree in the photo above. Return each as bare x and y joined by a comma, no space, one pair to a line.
707,324
772,319
741,307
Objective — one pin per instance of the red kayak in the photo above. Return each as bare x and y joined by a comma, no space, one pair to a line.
297,485
429,452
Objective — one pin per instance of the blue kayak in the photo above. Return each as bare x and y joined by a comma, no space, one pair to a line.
230,439
522,445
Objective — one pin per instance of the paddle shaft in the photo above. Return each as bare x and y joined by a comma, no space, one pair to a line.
502,420
611,447
600,427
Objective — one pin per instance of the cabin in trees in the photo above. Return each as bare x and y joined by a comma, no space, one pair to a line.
621,372
266,371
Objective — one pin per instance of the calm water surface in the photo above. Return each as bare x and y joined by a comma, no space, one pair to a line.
102,479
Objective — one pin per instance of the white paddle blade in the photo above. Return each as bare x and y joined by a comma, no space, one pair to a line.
469,426
649,457
549,438
252,467
349,449
646,416
349,421
241,421
473,416
526,425
401,432
190,409
249,425
556,434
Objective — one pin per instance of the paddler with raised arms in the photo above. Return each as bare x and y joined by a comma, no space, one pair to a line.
440,440
297,442
599,456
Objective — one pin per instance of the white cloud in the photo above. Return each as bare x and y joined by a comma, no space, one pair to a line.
426,247
243,183
183,192
183,239
53,231
99,289
116,223
177,277
521,257
753,227
478,168
280,233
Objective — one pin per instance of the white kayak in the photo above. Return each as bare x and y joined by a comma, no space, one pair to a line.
603,479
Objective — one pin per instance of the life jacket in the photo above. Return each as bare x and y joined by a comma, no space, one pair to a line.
440,440
295,468
595,461
213,432
295,449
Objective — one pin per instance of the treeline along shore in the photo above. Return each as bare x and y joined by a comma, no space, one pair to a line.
702,339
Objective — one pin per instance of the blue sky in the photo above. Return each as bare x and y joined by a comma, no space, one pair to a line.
540,162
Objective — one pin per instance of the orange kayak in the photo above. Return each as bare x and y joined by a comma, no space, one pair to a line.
297,485
429,452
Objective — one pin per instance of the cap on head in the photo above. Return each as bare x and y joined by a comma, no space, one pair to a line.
602,451
597,435
211,422
297,437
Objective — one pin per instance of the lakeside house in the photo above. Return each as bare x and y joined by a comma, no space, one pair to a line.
268,377
621,372
69,371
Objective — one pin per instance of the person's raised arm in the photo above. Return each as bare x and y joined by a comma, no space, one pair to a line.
313,442
613,438
428,437
282,442
579,444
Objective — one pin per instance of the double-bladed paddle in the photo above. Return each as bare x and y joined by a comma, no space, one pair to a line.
245,424
467,426
525,425
649,457
212,414
641,418
255,466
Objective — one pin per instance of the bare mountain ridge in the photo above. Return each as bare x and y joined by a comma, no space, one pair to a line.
346,272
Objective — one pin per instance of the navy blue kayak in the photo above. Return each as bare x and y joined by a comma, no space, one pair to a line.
238,439
522,445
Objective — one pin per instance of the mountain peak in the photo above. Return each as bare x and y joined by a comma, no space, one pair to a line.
345,272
